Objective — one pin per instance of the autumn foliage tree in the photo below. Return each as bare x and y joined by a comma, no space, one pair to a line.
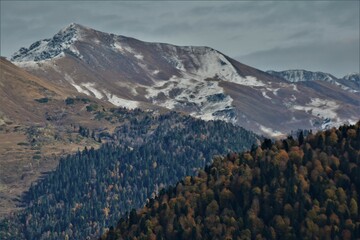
291,189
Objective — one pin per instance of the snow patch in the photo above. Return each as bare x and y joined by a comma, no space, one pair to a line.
73,49
91,88
121,102
27,64
205,99
214,64
294,86
139,56
352,121
271,132
78,88
289,102
175,62
117,46
123,48
320,108
265,95
129,86
343,87
86,88
274,90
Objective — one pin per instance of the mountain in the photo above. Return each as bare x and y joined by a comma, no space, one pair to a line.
350,82
199,81
291,189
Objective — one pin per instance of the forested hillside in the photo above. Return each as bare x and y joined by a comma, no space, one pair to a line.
291,189
94,188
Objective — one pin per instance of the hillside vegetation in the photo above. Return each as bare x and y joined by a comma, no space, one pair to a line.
290,189
94,188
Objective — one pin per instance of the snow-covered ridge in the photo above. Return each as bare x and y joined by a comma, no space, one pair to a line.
302,75
207,63
352,77
296,76
50,48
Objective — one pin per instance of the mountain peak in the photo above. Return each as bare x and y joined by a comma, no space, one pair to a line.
51,47
74,27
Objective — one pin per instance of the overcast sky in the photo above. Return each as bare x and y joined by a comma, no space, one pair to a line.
279,35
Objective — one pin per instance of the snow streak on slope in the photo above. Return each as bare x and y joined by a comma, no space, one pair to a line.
118,46
265,95
91,88
78,88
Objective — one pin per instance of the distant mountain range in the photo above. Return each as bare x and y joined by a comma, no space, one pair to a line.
199,81
350,82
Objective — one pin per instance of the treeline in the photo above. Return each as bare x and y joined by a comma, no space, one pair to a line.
94,188
305,188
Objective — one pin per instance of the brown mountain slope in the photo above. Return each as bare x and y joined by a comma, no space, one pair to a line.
19,89
36,126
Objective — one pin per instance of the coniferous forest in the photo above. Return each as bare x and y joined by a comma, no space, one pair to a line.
305,188
93,189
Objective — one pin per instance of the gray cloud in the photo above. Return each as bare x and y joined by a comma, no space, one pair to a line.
254,30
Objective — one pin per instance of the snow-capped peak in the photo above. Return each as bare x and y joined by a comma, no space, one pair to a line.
49,48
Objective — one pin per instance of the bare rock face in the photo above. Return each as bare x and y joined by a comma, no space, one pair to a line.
199,81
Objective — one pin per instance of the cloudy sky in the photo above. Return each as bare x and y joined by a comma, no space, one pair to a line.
279,35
